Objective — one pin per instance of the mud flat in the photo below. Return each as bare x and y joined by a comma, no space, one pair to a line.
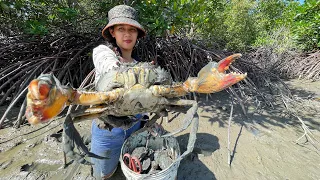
263,144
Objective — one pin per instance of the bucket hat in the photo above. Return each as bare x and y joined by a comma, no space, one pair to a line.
123,14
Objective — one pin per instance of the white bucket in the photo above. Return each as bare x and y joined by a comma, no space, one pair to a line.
154,143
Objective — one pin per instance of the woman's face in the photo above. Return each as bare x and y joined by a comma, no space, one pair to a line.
125,35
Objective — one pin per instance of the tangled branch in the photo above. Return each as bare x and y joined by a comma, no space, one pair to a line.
69,59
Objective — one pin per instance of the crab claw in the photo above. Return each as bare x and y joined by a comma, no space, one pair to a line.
45,99
224,64
212,78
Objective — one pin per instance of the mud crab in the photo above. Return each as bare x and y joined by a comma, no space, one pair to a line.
125,91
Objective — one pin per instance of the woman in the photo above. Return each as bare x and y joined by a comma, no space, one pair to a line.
121,34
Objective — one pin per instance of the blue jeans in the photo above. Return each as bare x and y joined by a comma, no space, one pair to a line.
108,144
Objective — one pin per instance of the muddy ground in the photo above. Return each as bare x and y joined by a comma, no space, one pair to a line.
263,145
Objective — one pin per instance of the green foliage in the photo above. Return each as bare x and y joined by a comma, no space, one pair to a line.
273,22
234,25
192,18
42,17
68,14
35,27
307,24
269,14
162,16
239,23
301,22
280,39
155,15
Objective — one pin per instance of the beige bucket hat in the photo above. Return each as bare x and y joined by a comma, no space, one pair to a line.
123,14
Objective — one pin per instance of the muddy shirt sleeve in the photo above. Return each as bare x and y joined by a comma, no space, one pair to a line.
104,59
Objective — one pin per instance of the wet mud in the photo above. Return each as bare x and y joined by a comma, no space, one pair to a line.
263,144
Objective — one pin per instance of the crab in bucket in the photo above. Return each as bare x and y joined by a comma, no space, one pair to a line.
127,90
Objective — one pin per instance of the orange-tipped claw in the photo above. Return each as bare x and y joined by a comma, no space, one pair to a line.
44,99
39,90
212,78
224,64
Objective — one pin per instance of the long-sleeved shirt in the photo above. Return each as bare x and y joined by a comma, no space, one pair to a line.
104,59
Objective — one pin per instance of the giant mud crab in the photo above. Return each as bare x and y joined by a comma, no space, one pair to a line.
128,90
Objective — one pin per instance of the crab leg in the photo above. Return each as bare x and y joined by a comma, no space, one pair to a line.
71,137
191,116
